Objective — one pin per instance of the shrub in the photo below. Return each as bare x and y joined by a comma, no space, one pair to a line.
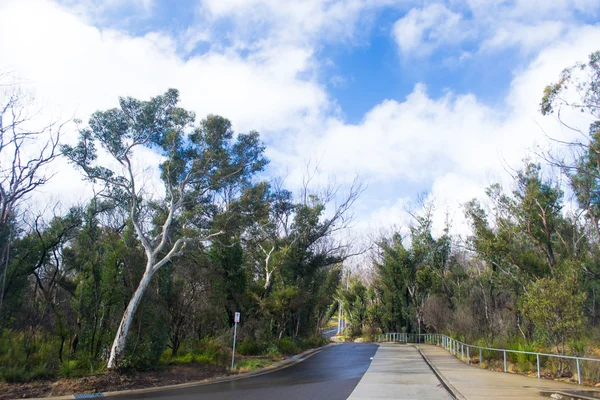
249,347
68,368
287,346
313,341
272,350
14,374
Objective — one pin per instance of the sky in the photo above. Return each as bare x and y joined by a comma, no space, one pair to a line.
434,97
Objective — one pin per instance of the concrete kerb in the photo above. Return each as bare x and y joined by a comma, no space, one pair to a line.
266,370
451,389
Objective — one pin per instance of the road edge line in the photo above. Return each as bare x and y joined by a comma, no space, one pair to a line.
288,362
449,387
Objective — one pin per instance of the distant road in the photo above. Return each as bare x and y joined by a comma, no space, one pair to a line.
329,333
330,374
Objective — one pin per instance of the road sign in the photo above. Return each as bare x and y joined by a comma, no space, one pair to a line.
236,319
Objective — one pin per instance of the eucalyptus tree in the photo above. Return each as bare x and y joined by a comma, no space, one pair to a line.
26,149
578,88
21,169
198,161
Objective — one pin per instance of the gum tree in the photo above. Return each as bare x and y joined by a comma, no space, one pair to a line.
197,163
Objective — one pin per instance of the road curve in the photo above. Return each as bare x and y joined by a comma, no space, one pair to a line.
330,374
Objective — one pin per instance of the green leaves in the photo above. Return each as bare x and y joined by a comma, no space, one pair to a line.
555,306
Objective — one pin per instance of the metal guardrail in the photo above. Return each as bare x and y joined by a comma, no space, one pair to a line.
458,348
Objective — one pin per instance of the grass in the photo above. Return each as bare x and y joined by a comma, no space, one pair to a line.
251,364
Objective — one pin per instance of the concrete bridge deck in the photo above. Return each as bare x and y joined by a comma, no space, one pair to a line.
399,372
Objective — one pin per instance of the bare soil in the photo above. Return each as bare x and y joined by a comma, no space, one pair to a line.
112,381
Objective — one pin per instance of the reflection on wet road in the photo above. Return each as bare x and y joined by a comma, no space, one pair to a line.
330,374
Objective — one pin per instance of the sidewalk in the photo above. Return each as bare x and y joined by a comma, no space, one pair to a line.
399,372
476,383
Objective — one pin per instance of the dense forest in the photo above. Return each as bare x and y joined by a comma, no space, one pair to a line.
137,277
118,281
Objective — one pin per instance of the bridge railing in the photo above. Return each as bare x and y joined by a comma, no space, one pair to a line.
464,351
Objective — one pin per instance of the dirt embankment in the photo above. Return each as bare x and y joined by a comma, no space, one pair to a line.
111,381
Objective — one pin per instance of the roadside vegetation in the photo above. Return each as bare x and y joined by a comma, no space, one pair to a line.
526,277
149,275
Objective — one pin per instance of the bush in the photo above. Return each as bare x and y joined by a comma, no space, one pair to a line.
212,350
14,374
41,372
521,359
314,341
249,347
272,350
27,356
68,368
287,346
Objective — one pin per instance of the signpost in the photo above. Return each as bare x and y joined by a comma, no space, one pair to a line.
236,319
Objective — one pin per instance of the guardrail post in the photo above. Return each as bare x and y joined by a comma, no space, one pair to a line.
468,357
539,371
578,372
480,357
462,351
504,360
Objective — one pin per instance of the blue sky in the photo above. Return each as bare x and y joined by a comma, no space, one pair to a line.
412,96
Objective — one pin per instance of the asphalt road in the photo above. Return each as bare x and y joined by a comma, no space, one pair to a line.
330,374
329,333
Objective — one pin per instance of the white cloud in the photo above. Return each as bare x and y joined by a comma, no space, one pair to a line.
75,65
489,25
264,22
97,11
530,10
75,68
529,38
422,30
454,145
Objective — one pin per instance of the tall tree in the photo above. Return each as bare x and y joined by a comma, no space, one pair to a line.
199,161
25,150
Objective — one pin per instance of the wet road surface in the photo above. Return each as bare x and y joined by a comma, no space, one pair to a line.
330,374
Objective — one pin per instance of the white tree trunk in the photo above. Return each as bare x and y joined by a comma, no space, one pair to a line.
339,330
118,347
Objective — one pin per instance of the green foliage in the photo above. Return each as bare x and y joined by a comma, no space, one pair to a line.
287,346
313,341
249,347
555,306
68,368
25,357
522,360
195,358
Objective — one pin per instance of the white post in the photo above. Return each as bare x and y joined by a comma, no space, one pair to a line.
235,320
